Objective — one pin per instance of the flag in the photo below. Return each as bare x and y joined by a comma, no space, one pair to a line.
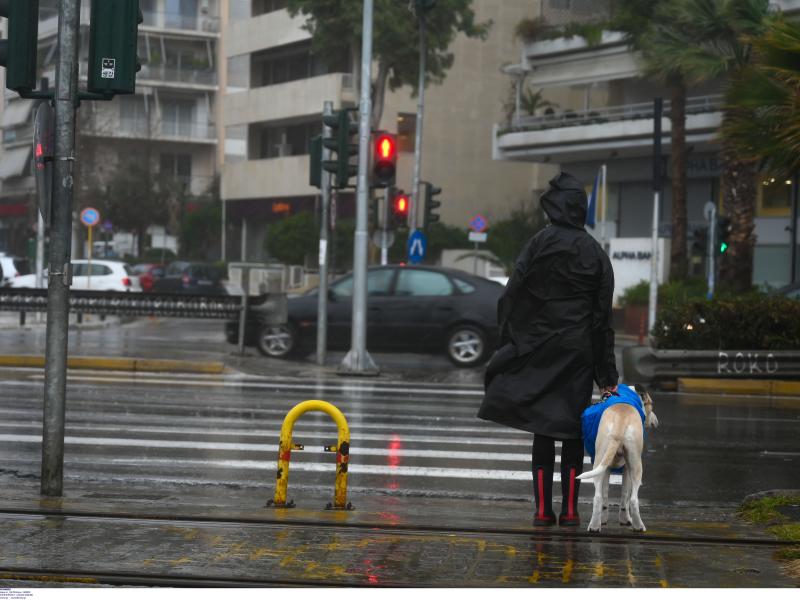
591,214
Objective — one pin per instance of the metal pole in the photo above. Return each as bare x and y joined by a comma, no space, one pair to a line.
384,222
358,361
322,290
413,209
604,187
224,241
39,250
243,312
55,373
244,240
89,263
657,112
712,245
793,228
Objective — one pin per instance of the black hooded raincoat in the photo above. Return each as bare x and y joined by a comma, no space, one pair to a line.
555,324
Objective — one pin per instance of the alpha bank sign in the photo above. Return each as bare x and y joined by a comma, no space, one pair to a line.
630,258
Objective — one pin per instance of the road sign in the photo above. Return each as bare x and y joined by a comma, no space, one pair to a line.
478,237
90,217
383,238
107,226
417,246
478,223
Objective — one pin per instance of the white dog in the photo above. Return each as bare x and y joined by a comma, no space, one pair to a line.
620,439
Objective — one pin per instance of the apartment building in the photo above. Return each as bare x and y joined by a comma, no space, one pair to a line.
275,90
601,112
171,121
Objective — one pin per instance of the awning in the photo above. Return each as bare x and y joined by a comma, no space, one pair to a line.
17,112
14,161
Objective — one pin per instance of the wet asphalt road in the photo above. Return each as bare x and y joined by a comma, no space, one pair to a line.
410,437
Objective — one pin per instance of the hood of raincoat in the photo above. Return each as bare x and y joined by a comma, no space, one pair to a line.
565,202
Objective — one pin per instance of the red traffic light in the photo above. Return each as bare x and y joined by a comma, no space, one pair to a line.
401,204
385,163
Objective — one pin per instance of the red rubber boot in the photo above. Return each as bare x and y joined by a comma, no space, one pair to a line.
570,486
543,493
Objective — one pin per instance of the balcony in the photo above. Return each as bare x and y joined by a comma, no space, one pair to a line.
181,22
180,76
140,129
599,132
269,178
270,30
294,99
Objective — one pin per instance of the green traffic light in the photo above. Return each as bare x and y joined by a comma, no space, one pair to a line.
723,247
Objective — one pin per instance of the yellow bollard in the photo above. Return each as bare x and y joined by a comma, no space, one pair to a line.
285,448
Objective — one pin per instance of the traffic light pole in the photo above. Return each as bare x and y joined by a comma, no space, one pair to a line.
657,112
712,251
383,221
358,361
413,210
55,383
322,290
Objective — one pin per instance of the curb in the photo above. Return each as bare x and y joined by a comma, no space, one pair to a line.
750,387
159,365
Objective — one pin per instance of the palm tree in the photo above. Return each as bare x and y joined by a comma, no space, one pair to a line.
709,40
764,102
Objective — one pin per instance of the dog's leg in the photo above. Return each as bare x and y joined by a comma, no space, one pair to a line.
606,478
624,501
636,482
597,503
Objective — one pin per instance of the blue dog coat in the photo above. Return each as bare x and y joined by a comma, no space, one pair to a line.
590,419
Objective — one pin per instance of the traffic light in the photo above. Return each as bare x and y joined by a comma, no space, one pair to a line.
700,241
400,205
384,168
18,52
113,37
430,204
723,234
343,128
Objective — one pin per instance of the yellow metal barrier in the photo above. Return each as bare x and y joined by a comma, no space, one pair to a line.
342,450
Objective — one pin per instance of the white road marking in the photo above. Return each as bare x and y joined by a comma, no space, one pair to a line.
271,448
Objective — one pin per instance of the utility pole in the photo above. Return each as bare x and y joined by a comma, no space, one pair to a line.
793,229
711,266
59,271
658,107
322,289
358,361
423,49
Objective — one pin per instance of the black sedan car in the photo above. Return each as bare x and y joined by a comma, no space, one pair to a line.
410,309
190,278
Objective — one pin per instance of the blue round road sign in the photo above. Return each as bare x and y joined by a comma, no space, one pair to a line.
90,217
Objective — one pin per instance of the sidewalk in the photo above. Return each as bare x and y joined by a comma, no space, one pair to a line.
227,535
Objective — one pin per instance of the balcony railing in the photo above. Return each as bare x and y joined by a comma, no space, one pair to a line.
556,13
178,75
611,114
141,129
170,20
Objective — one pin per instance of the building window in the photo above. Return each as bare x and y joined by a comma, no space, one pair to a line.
774,196
283,140
292,63
178,168
177,117
261,7
406,132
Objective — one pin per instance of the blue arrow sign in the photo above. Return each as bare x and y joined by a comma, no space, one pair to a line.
417,246
90,217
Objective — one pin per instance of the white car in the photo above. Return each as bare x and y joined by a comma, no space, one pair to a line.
106,276
12,267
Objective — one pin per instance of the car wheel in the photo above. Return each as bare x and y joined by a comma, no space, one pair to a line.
276,341
466,346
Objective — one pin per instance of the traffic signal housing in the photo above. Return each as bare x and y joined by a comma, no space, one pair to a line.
700,241
431,204
113,38
342,130
399,209
18,52
723,234
384,168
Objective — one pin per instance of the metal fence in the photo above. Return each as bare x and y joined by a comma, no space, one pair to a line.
611,114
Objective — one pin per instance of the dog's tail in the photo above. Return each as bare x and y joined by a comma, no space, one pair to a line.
605,461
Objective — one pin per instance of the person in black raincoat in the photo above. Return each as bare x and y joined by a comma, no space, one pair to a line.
556,338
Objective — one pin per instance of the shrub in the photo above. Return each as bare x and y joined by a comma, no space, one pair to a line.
749,322
636,294
672,292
